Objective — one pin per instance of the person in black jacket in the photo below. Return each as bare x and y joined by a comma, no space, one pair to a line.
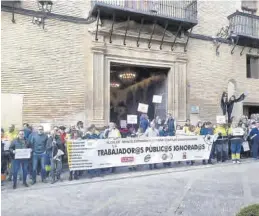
19,143
228,105
54,148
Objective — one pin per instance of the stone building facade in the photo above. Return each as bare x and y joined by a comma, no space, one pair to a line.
63,74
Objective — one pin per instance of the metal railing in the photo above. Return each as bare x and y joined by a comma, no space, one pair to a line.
186,10
244,24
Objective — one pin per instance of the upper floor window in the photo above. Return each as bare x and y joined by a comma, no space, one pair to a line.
250,6
252,67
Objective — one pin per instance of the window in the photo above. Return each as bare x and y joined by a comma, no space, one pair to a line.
250,6
252,67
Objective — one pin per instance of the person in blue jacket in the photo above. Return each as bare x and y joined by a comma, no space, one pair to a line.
143,124
208,130
254,136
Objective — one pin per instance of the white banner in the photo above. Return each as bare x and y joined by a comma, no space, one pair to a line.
92,154
22,153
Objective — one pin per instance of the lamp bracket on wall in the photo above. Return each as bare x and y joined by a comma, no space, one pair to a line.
97,25
234,43
241,53
185,46
162,41
126,31
223,34
177,33
111,31
152,33
142,22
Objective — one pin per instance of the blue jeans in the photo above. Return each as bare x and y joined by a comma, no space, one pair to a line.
236,149
17,164
255,149
35,159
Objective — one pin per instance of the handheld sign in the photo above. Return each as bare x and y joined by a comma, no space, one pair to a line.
142,108
157,99
132,119
221,119
22,153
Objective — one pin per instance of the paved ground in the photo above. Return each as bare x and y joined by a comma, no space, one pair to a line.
218,190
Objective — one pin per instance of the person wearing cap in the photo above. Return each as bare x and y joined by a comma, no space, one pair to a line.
254,137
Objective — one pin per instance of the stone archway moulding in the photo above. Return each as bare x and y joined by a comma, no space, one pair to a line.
102,59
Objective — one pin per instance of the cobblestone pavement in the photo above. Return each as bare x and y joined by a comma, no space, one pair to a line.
218,190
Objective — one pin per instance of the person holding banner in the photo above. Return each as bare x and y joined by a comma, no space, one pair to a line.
236,135
19,143
221,142
152,132
208,130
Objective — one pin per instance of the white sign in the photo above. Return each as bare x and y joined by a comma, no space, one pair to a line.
142,108
95,154
132,119
238,132
123,123
46,127
246,146
221,119
157,99
22,153
7,144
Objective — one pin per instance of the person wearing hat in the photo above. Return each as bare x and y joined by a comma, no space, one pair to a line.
254,137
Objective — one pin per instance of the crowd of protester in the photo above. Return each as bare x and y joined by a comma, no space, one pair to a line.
48,155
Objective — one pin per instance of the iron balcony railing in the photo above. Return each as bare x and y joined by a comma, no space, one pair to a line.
243,24
182,10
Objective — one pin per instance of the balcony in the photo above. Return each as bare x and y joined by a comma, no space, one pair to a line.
175,13
246,28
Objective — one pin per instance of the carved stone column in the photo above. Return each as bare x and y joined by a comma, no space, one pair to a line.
181,90
99,92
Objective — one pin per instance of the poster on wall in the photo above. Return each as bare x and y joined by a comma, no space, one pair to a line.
221,119
132,119
142,108
123,123
157,99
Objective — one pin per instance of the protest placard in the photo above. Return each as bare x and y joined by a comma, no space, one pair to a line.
23,153
221,119
123,123
157,99
132,119
142,108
